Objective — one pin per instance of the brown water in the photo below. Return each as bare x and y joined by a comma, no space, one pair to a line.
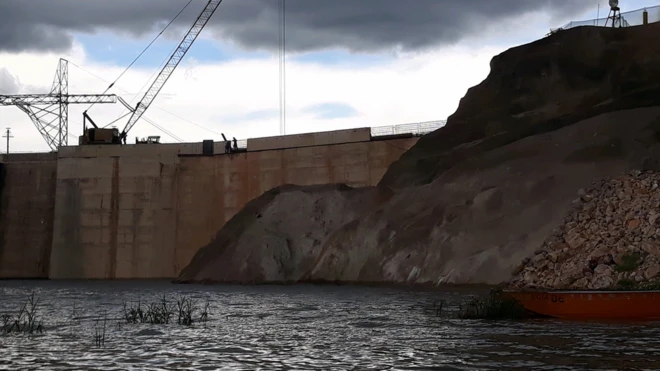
306,327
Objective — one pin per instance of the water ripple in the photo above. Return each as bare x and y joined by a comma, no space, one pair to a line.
305,327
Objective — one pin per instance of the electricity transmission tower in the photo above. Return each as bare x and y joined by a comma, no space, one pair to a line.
50,112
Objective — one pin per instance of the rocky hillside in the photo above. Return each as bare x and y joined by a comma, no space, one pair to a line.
537,88
472,200
610,239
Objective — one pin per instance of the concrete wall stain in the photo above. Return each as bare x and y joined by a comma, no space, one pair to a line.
68,253
174,202
26,215
47,182
114,220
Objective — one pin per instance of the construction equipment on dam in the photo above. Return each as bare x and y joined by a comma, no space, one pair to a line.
103,135
50,112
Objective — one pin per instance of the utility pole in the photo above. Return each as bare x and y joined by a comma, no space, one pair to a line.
8,136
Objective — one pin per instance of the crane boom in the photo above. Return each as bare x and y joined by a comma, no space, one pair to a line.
171,64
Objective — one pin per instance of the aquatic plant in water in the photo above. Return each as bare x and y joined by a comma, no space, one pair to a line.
99,330
26,321
164,311
494,306
436,308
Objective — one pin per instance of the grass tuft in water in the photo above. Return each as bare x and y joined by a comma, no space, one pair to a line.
204,316
437,307
164,311
99,330
26,321
494,306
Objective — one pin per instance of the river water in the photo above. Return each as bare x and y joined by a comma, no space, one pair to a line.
303,327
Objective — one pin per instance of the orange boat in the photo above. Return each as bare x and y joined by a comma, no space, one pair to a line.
630,305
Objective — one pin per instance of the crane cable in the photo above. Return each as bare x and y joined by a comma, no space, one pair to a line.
282,60
157,126
156,71
144,50
172,135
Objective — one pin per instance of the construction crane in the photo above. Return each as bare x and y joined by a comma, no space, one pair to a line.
50,112
98,135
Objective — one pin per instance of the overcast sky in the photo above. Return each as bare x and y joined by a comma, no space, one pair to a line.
351,63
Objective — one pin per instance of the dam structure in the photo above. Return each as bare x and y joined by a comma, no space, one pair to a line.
142,211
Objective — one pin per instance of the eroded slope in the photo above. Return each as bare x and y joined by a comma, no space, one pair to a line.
279,235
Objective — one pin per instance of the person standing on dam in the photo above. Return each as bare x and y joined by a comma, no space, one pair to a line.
227,146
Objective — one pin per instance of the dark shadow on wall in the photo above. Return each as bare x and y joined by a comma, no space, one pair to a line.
27,201
2,180
3,172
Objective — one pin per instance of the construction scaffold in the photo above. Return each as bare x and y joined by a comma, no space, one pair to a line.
631,18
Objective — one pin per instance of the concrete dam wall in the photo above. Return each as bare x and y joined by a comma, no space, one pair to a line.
27,202
143,211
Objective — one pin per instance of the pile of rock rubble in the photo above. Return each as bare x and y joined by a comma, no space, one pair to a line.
610,239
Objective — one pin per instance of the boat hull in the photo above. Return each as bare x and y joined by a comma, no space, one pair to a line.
629,305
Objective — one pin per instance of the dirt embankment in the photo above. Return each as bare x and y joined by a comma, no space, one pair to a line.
472,200
277,236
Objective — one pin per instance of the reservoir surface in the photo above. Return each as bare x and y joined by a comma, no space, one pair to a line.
323,327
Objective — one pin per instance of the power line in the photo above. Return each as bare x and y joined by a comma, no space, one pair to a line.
135,95
157,126
128,93
160,67
282,60
144,50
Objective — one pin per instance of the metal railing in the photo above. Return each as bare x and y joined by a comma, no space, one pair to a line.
630,18
419,128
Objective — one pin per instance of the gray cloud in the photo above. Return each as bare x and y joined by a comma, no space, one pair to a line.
265,114
356,25
8,83
332,110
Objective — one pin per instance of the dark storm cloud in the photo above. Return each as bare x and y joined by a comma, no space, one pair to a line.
357,25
